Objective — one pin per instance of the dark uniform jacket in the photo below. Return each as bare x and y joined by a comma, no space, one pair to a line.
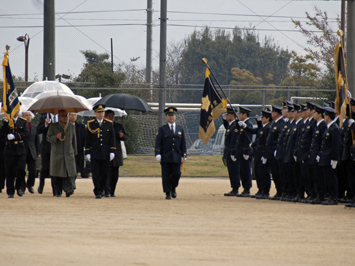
118,160
42,129
280,140
20,131
316,142
244,139
259,143
32,143
271,141
100,141
346,140
292,141
230,138
330,145
80,142
171,146
303,150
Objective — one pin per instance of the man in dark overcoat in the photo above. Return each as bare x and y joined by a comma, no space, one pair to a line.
100,148
170,151
113,173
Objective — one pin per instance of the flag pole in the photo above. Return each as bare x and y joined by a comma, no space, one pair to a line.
205,61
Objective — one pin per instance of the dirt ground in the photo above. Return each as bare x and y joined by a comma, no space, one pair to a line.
199,227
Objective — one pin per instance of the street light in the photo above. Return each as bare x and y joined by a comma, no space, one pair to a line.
26,41
64,76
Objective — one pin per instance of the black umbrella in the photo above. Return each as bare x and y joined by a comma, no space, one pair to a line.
125,102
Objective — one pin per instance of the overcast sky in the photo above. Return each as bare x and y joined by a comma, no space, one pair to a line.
90,24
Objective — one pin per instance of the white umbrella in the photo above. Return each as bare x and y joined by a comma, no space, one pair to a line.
47,85
94,100
46,94
26,102
84,101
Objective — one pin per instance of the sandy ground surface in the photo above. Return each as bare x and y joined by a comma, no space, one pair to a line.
199,227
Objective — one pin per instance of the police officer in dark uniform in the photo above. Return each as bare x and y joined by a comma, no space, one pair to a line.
261,168
268,155
100,146
170,151
243,150
15,154
350,163
230,143
329,155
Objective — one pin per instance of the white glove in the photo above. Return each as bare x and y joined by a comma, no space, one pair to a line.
242,124
233,158
10,136
258,118
224,116
158,158
88,157
112,156
183,159
295,157
6,120
263,160
351,121
246,157
333,163
317,158
275,153
250,145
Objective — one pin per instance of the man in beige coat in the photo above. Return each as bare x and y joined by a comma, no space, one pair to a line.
62,137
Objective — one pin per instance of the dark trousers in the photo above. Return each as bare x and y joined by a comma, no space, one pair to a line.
263,171
245,173
283,176
331,180
99,170
291,177
14,168
350,175
310,178
2,171
170,176
257,165
275,171
45,160
300,178
320,185
31,167
233,172
63,183
112,178
343,184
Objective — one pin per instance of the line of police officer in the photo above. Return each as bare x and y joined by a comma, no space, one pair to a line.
301,147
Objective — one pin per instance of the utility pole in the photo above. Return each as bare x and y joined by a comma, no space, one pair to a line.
350,44
111,55
148,70
49,40
162,61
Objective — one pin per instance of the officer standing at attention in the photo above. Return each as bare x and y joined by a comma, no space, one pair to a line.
243,151
15,154
100,146
170,151
230,142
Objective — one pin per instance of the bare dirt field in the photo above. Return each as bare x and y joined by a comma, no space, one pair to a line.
199,227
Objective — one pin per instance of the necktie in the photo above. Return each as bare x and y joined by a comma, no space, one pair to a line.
172,128
54,119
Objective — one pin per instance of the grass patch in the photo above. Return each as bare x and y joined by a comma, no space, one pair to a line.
199,166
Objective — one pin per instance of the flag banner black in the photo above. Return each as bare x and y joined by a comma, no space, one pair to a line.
211,108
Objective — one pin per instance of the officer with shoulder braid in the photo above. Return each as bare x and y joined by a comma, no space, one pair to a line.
100,146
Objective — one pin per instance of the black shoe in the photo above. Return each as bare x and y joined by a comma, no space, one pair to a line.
107,195
98,196
30,189
20,192
68,193
0,190
113,195
350,204
232,193
244,194
330,201
10,196
263,196
58,195
256,194
168,195
275,197
40,190
173,194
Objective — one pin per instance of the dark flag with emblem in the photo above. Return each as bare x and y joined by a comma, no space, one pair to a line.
212,107
11,102
341,100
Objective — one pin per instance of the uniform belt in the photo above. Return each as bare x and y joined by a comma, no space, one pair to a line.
15,142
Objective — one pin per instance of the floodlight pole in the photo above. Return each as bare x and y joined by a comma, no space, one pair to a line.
49,40
162,61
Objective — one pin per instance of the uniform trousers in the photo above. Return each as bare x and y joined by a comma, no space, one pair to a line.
233,172
300,178
170,176
320,185
99,170
291,177
245,173
263,171
283,184
350,175
2,170
310,177
112,178
14,168
343,184
275,171
331,180
31,167
45,159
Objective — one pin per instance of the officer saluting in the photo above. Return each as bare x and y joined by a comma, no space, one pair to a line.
170,151
100,146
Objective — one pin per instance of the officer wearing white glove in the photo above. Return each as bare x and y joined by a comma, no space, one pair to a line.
158,158
88,157
246,157
242,124
275,152
295,157
263,160
10,136
317,158
233,158
112,156
224,116
351,121
183,159
258,118
333,164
